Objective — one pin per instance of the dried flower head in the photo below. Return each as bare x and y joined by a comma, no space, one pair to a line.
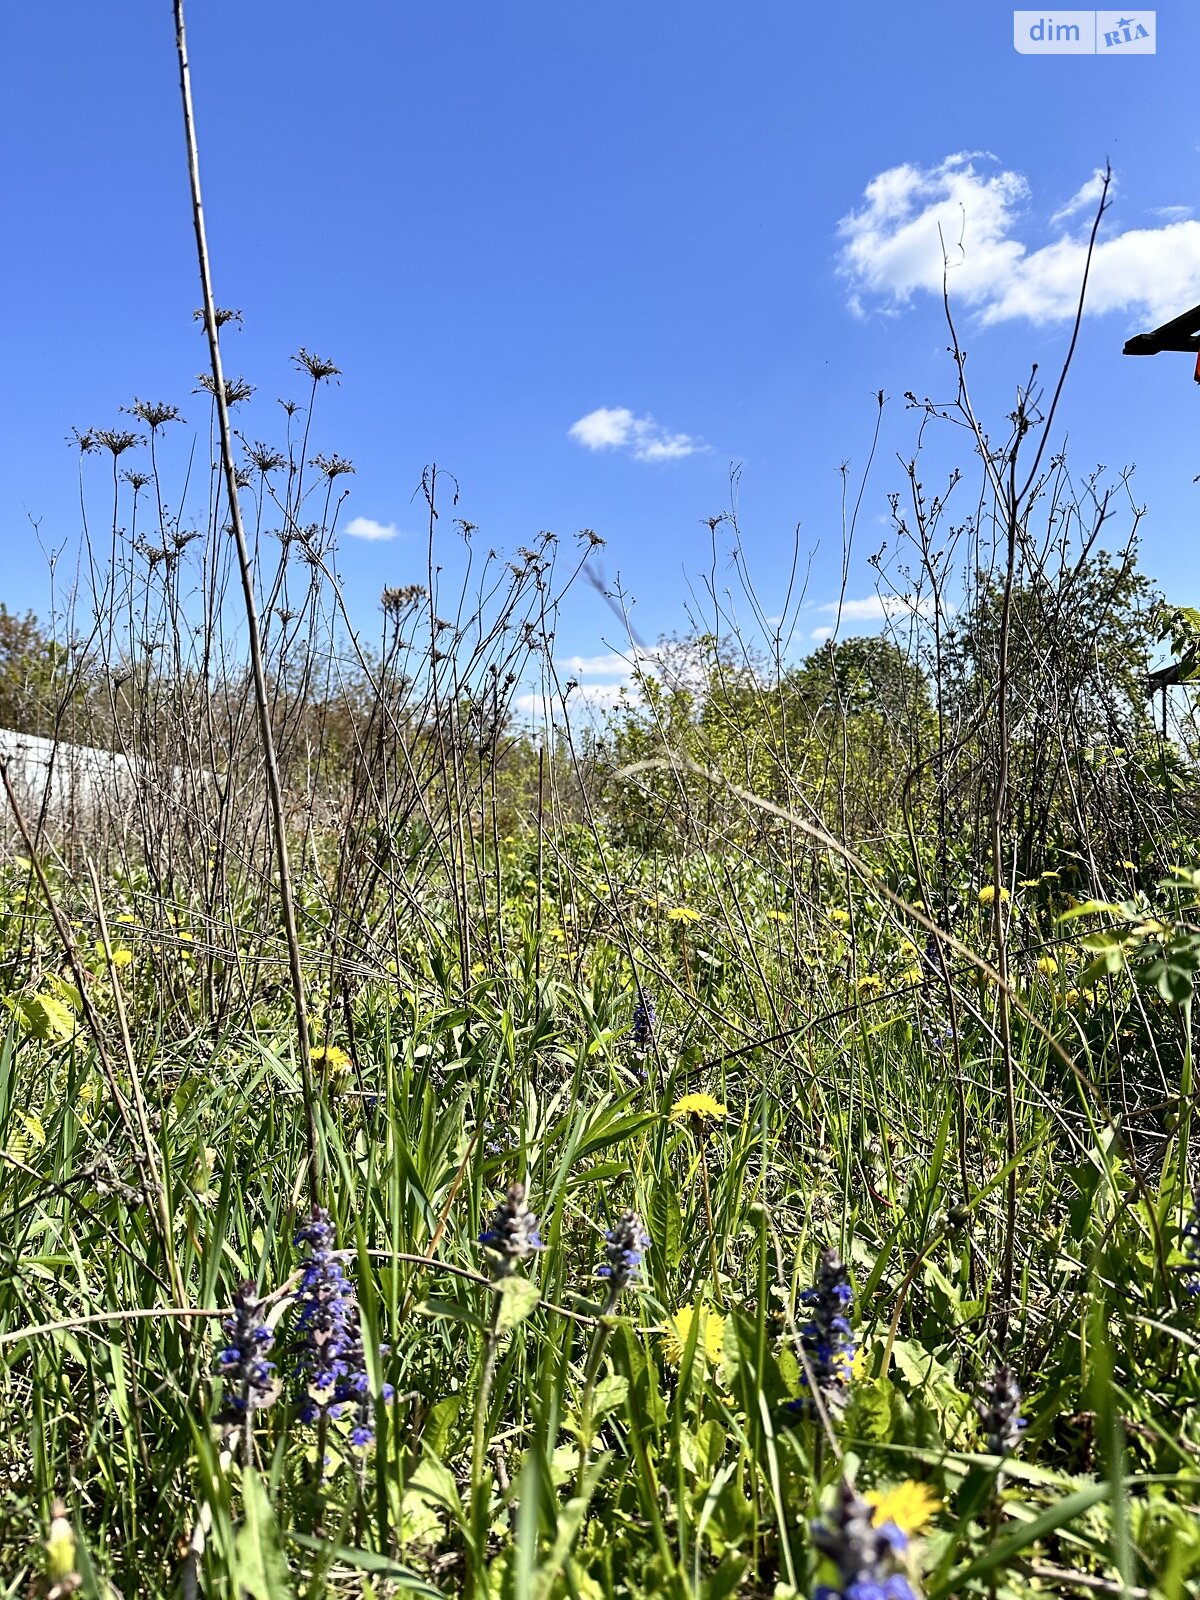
221,315
236,389
331,467
397,600
154,413
316,367
263,458
118,440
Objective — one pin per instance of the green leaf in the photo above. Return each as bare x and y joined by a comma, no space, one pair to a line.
1090,908
440,1421
262,1569
518,1297
47,1019
369,1561
872,1410
666,1223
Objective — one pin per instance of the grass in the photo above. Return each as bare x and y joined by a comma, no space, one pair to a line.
536,1445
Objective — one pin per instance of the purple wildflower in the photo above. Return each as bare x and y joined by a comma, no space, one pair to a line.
867,1556
244,1369
827,1339
332,1364
511,1235
645,1020
627,1243
999,1408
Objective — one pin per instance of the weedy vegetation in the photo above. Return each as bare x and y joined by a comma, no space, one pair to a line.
740,1145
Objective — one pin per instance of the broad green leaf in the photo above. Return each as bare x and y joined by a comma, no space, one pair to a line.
262,1570
518,1297
47,1018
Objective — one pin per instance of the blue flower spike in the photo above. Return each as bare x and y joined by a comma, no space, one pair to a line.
867,1555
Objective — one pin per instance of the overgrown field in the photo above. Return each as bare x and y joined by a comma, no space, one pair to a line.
741,1145
456,1395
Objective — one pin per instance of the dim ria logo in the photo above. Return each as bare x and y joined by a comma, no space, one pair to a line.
1084,33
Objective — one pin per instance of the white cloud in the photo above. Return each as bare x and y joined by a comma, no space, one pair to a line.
1086,198
877,608
819,634
616,428
586,697
368,528
1173,213
609,666
892,249
593,666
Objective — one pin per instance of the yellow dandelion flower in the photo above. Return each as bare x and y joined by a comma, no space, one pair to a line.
1071,997
710,1340
1046,965
1050,873
477,969
913,976
701,1108
987,895
839,916
909,1505
908,949
1130,866
777,916
684,914
125,916
332,1058
871,984
122,958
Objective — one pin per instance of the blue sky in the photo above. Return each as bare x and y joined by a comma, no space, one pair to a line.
586,257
